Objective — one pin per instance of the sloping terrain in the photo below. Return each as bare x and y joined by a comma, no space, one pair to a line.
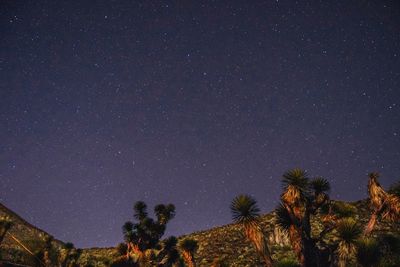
224,242
21,238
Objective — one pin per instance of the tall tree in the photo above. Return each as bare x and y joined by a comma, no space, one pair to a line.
384,205
142,237
302,198
245,211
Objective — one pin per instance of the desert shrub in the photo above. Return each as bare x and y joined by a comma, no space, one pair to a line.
343,210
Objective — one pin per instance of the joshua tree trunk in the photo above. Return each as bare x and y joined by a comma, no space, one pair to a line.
295,239
254,234
310,257
128,250
371,224
189,259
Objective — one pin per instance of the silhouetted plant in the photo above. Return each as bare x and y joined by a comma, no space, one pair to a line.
169,255
188,248
143,236
245,212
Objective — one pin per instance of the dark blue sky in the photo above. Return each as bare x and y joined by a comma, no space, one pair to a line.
103,103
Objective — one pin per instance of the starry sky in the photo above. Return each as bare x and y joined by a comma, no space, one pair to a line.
103,103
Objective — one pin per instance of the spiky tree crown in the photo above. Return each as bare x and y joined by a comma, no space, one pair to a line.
295,177
140,210
282,218
147,232
189,245
320,185
295,185
348,230
164,213
244,209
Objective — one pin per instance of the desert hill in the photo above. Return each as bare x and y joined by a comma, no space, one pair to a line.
225,243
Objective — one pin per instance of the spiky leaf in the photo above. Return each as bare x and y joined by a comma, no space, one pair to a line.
244,209
348,230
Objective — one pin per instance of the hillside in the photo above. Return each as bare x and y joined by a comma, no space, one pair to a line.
224,242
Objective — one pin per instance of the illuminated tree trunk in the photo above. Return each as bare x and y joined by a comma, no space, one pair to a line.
189,259
255,235
371,224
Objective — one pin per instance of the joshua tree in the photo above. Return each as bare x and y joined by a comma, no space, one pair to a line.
188,248
164,213
368,252
5,225
348,233
384,205
245,212
144,236
302,198
127,230
169,255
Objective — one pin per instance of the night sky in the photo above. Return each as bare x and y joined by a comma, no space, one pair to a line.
103,103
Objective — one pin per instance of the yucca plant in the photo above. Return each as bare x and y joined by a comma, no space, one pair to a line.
320,188
143,237
127,230
245,211
188,248
385,205
348,233
169,255
164,213
302,198
368,252
295,188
